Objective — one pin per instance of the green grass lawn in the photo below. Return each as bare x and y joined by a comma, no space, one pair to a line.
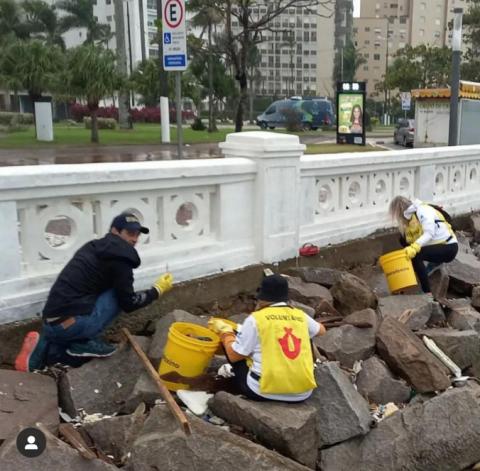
79,136
338,148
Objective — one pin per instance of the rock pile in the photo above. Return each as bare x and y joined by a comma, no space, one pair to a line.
373,356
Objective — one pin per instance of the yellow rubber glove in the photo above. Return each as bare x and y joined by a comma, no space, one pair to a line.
163,283
219,327
412,250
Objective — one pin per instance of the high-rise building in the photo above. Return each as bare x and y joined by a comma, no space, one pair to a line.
385,27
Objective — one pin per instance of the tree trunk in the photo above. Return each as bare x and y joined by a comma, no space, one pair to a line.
212,127
123,95
251,96
242,102
94,130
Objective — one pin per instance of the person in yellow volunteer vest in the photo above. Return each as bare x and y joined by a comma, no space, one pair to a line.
426,235
271,356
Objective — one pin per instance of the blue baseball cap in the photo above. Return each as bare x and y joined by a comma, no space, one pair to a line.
128,221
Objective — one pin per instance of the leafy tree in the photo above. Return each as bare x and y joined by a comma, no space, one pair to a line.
92,75
208,14
352,60
144,80
31,65
471,35
11,21
236,42
80,15
43,22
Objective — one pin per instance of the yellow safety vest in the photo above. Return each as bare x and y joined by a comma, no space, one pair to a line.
414,230
287,363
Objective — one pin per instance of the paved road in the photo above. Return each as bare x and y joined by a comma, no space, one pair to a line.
138,153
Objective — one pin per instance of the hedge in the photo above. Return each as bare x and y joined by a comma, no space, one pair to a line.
103,123
8,118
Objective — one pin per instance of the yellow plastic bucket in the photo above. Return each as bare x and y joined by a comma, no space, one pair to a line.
188,351
398,270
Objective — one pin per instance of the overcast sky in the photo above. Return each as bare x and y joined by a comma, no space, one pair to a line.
356,7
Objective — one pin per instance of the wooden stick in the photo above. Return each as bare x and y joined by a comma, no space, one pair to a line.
76,440
164,392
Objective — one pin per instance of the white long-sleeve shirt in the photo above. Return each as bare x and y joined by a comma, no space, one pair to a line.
433,232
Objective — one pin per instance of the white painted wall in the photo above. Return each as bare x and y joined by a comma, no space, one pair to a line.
259,204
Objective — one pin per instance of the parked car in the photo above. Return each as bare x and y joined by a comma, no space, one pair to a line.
312,112
404,132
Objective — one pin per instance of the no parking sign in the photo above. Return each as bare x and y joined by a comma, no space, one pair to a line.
174,35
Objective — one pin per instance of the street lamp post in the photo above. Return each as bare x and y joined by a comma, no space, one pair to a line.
455,82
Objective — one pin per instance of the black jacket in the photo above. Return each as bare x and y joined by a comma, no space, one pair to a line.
96,267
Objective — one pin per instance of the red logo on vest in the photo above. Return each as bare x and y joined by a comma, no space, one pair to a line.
287,340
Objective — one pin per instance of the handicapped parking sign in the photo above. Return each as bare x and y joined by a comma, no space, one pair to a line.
174,35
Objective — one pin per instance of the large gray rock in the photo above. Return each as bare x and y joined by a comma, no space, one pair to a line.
376,383
163,445
374,277
342,413
463,347
351,294
476,297
439,282
289,429
145,390
462,316
395,306
306,309
408,357
26,398
115,435
475,219
102,385
365,316
440,434
310,294
323,276
160,336
464,273
57,456
347,344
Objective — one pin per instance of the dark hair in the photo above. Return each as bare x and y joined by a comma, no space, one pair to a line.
358,107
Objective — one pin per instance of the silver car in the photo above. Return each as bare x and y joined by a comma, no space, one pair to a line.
404,133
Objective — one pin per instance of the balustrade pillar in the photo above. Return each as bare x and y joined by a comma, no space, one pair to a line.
10,267
277,189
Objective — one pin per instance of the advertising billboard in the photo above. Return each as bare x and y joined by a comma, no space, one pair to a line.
350,113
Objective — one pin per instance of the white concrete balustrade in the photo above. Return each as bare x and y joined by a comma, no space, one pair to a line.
259,204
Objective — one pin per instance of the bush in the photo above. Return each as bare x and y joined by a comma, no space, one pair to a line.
103,123
78,112
293,119
198,125
374,121
8,118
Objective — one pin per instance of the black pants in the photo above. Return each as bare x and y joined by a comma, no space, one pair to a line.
438,253
241,370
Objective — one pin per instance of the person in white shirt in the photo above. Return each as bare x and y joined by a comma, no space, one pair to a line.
426,235
271,356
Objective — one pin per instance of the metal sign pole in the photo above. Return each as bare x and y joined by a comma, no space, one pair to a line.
178,99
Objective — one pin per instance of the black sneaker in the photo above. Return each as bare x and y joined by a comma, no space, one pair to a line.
91,348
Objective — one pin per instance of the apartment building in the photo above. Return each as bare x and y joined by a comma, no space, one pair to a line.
385,27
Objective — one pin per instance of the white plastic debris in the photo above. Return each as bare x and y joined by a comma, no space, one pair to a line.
433,347
226,371
96,391
196,401
216,420
119,385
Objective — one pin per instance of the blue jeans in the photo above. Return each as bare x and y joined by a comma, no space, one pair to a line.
85,328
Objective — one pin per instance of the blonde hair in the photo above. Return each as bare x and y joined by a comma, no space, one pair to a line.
397,207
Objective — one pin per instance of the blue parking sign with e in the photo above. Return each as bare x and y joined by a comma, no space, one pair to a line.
167,38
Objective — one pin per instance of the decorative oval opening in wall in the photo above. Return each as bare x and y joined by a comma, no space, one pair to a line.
187,213
457,180
354,192
324,197
439,183
59,231
404,186
381,188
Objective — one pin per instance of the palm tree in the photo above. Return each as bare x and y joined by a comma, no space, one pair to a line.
144,80
92,75
207,16
43,22
31,65
80,15
11,22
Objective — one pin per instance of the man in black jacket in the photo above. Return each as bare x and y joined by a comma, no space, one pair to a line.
89,293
